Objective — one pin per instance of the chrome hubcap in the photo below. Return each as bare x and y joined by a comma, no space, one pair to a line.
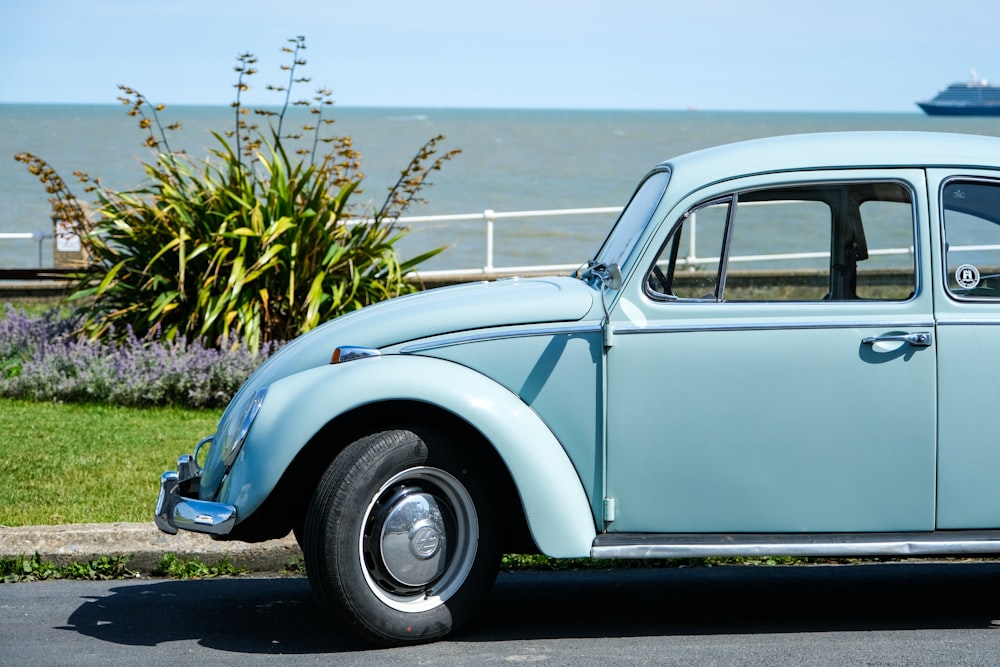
419,539
414,538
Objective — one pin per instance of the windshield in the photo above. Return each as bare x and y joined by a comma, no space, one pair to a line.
633,219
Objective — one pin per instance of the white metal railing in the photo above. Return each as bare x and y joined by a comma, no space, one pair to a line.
37,237
490,217
692,260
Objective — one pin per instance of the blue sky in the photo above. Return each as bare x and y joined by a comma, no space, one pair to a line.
795,55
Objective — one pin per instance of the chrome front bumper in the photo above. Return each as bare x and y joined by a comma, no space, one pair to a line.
176,509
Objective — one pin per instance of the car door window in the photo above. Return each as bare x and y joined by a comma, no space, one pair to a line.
971,212
822,242
780,249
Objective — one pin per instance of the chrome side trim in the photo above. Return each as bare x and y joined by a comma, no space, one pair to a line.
682,545
771,326
592,327
958,321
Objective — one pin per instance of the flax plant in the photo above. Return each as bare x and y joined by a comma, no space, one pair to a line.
259,242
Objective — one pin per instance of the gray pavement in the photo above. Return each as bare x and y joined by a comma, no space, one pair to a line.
144,544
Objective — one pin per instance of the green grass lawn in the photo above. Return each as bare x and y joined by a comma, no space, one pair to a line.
64,463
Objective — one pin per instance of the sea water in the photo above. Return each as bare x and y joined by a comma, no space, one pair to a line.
511,160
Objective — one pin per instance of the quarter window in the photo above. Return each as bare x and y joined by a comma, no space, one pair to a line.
972,238
690,265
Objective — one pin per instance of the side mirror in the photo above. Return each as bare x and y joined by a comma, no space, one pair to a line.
613,277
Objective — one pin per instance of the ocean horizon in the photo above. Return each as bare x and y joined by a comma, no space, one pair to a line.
511,160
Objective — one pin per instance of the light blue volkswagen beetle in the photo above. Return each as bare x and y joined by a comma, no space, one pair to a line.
786,346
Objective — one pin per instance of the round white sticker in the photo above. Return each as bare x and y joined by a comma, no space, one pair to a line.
967,276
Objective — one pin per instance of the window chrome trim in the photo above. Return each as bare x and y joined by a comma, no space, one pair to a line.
482,336
736,194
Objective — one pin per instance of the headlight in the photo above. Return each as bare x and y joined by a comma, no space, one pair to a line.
236,434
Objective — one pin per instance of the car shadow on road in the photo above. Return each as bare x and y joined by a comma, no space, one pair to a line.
243,614
279,615
741,600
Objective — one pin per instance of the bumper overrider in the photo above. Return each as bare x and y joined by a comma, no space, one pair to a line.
178,508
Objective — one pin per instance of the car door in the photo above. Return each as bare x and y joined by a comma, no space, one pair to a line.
773,367
967,304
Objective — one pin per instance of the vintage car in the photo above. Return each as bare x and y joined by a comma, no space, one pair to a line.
784,346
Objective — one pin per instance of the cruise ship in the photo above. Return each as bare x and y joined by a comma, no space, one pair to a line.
975,97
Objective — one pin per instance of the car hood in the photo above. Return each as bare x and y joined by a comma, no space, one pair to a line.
438,311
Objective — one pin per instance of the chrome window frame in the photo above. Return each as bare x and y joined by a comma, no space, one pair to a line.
735,195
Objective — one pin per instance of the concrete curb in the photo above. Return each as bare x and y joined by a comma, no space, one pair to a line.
144,543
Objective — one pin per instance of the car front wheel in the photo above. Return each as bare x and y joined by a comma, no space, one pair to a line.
400,542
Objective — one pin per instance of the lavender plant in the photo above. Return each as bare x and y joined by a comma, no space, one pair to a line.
40,359
258,244
20,334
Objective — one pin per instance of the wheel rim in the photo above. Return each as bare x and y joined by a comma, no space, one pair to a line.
418,540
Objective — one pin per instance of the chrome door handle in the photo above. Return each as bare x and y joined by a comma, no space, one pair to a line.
918,339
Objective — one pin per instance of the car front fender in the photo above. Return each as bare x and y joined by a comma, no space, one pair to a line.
297,407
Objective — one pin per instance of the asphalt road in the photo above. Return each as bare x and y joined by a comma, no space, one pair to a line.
912,613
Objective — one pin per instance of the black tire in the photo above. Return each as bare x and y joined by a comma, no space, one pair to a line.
401,543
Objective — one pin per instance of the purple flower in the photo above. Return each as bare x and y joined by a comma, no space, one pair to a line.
41,359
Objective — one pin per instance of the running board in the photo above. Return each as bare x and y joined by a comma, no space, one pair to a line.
834,545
